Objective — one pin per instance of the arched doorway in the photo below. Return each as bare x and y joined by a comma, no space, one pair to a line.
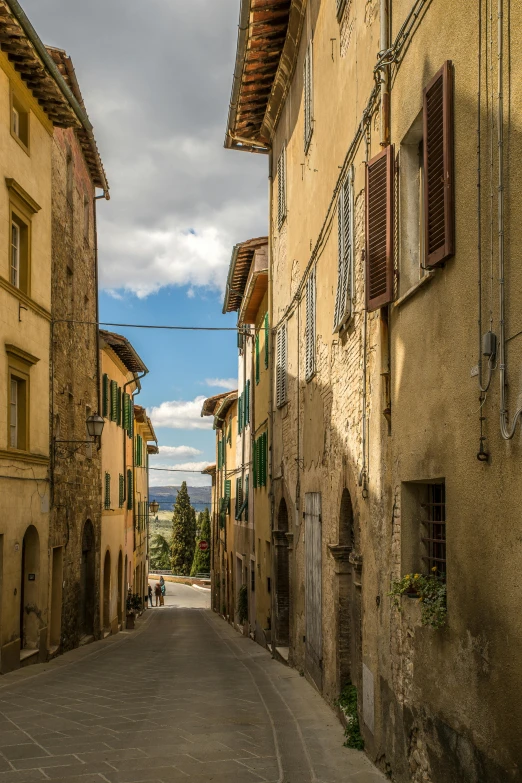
107,591
282,578
349,631
87,580
30,590
120,588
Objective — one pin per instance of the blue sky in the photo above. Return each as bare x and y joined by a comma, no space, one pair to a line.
156,86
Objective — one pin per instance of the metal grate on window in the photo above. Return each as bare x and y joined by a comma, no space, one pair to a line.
434,526
281,365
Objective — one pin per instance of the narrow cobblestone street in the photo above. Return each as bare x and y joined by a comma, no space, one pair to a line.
181,698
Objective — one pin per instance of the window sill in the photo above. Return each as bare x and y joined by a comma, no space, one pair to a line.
24,298
24,456
413,290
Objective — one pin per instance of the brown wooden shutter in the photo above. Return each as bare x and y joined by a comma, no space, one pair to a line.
379,229
439,186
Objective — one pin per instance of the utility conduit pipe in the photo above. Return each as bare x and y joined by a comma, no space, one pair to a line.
507,430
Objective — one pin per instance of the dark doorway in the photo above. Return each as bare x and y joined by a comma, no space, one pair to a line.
29,593
107,591
345,590
313,588
282,578
120,588
87,581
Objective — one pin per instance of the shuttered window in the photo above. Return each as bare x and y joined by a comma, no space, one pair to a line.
254,463
240,414
439,185
247,402
228,493
379,229
263,459
281,188
114,401
281,365
126,411
343,298
105,395
257,358
107,499
310,327
121,490
119,411
130,489
267,338
229,435
239,497
138,446
308,97
130,431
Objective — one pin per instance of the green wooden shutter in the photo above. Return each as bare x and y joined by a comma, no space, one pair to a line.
114,401
239,496
263,459
119,407
245,501
131,417
126,411
121,490
228,493
240,414
130,489
247,403
267,340
257,358
254,460
105,395
107,491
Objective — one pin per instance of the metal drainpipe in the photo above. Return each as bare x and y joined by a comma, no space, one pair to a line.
271,343
385,76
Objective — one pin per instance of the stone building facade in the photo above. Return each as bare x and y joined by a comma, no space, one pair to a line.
387,456
75,516
35,100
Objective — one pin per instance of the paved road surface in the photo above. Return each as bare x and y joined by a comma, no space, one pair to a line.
183,596
181,698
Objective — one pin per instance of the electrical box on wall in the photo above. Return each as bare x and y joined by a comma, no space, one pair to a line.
489,344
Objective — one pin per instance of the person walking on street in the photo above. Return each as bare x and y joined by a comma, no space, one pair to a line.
150,595
157,592
163,590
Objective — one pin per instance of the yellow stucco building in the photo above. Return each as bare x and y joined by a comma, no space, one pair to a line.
33,99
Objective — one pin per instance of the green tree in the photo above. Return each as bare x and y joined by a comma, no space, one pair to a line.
201,562
160,553
183,533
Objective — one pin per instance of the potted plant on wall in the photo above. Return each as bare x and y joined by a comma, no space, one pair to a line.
133,608
429,590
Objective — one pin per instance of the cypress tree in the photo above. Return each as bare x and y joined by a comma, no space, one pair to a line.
201,562
183,533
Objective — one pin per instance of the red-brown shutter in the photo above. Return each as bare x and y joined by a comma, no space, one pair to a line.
439,186
379,229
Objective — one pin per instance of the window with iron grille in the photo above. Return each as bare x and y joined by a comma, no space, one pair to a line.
310,327
281,365
308,97
433,526
107,502
343,298
281,188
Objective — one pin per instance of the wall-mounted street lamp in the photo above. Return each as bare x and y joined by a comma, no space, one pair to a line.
94,423
154,506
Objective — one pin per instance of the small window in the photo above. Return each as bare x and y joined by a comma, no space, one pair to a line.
19,255
310,327
434,530
281,365
281,188
18,412
19,122
340,5
308,97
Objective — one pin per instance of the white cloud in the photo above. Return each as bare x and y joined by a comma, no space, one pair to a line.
161,478
142,261
222,383
181,415
179,452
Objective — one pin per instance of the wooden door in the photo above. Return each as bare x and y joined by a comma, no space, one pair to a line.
313,586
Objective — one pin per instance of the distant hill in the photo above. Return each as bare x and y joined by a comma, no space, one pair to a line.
166,497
